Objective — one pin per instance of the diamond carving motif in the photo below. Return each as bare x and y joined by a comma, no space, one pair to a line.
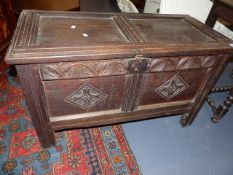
172,87
86,97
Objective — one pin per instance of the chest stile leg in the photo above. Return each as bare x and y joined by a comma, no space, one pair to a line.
33,90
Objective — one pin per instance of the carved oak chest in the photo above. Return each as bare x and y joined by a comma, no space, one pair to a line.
90,69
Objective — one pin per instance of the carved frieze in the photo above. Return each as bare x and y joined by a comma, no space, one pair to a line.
181,63
82,69
86,69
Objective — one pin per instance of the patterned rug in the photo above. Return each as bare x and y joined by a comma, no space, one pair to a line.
95,151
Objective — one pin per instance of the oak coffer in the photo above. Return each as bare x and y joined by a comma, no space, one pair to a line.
89,69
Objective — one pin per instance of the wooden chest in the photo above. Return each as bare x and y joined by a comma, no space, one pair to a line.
90,69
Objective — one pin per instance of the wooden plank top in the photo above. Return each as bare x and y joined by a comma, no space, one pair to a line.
43,36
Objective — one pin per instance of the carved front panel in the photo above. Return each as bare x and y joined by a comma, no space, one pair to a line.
68,97
83,69
172,87
86,97
88,86
171,79
162,87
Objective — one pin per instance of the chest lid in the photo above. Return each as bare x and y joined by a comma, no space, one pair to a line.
43,36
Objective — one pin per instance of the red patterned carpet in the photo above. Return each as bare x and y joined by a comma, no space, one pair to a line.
96,151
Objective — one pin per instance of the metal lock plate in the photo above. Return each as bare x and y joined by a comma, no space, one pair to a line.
138,64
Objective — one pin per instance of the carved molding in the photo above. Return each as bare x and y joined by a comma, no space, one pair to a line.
181,63
131,93
82,69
